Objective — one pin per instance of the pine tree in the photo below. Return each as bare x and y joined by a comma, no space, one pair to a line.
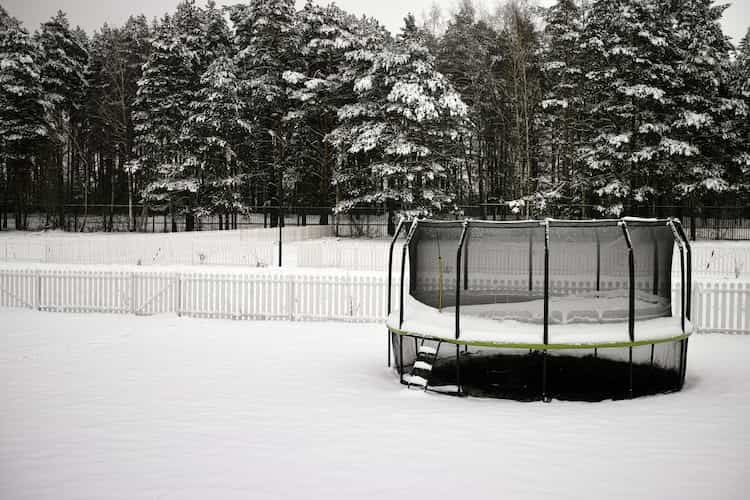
211,135
318,89
65,83
467,56
561,120
24,110
706,117
630,81
741,89
216,132
398,141
171,79
266,44
116,58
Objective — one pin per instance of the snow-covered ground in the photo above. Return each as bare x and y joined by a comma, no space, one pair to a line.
103,406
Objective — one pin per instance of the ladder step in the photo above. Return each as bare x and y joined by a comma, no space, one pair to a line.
417,380
425,349
423,365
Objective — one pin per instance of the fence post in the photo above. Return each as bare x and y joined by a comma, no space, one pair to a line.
290,296
179,295
133,295
38,294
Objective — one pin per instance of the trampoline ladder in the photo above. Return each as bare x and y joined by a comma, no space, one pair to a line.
422,368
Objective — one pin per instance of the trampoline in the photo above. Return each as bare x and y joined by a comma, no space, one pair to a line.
535,310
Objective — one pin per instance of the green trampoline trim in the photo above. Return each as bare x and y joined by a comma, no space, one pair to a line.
539,347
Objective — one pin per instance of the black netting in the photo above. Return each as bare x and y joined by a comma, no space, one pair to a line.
501,277
571,374
653,246
432,262
589,275
502,267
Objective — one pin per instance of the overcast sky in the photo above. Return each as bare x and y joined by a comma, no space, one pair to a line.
91,14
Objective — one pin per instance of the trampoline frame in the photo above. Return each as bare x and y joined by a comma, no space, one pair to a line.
680,238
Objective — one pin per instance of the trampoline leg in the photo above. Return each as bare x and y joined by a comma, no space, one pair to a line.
545,396
630,376
683,363
652,355
458,369
389,348
401,358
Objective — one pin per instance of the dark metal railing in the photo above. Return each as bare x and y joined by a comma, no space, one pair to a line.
390,278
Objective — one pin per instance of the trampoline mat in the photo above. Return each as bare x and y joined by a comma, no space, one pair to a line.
591,307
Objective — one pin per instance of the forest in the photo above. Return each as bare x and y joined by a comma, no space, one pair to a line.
594,108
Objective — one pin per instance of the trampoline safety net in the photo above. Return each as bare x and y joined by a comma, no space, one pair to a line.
541,292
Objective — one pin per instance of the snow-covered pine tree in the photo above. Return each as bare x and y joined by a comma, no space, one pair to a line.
171,79
116,58
217,36
398,141
630,79
23,109
706,119
65,83
467,55
741,89
561,115
211,135
318,89
265,42
217,132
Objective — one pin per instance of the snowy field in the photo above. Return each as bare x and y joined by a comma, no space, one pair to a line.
104,406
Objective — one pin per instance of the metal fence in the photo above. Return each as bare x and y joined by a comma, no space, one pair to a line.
362,222
700,222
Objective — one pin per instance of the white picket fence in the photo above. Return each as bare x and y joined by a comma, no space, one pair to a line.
717,306
721,306
250,248
244,295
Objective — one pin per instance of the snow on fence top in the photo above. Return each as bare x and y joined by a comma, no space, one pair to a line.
293,294
246,247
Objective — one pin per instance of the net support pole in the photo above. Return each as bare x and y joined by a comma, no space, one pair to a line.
545,396
689,267
598,260
689,292
683,291
655,275
461,242
466,265
401,290
390,261
631,303
390,279
531,261
686,288
412,229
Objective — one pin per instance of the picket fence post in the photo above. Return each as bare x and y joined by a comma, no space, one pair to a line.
133,307
179,295
38,294
290,296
